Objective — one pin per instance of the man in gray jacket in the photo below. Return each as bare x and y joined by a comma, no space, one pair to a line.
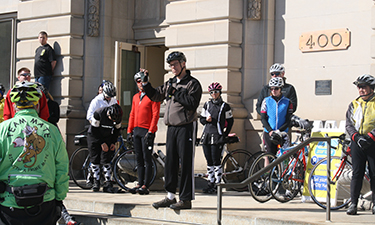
183,94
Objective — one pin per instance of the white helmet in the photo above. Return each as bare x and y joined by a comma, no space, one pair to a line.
276,82
277,67
365,79
109,90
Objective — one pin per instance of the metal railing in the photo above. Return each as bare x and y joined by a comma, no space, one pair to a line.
273,164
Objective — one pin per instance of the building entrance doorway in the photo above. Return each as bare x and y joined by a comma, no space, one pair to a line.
128,59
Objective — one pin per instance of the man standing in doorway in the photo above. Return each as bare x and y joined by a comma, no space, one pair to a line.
45,61
183,94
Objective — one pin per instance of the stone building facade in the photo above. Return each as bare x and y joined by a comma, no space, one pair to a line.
233,42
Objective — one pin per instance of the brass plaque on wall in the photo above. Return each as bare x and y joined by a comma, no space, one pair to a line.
325,40
323,87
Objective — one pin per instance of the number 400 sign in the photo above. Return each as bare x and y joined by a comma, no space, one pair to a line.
326,40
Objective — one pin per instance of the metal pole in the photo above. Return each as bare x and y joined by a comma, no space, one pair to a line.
328,208
219,203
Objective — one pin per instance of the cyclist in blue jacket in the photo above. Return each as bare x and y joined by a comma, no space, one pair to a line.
276,112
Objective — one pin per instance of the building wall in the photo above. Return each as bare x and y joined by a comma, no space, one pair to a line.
275,38
221,40
340,66
63,20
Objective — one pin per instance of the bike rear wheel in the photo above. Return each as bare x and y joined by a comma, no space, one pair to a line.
236,166
318,183
126,170
259,188
79,167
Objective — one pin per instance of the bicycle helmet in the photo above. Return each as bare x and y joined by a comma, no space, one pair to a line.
176,56
115,112
40,86
109,90
365,79
215,86
276,82
25,94
277,67
138,75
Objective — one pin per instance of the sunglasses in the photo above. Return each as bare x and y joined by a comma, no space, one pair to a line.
275,88
214,92
275,74
173,65
361,86
139,81
25,74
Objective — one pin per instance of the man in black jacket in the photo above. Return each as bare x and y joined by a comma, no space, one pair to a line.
101,139
278,70
183,94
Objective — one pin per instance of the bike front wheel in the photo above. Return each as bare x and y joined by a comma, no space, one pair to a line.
125,169
340,185
286,180
259,188
79,168
236,166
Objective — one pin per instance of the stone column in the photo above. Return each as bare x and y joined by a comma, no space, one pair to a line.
64,23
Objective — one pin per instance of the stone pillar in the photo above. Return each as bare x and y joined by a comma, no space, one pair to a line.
210,35
64,23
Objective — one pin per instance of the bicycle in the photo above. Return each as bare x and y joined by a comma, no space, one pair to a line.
123,163
259,188
341,173
125,167
285,177
236,164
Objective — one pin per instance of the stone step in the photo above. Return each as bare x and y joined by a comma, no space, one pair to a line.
238,208
103,219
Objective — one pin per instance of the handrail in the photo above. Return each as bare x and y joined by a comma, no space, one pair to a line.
273,164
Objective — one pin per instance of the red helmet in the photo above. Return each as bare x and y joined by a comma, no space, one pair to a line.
215,86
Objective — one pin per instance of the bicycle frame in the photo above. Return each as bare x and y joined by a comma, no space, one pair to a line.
302,156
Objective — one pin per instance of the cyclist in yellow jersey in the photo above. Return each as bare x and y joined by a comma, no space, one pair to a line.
360,125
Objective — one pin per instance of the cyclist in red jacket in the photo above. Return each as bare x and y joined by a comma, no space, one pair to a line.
142,126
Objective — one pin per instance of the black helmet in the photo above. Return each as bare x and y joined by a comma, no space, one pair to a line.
176,56
115,112
109,90
365,79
